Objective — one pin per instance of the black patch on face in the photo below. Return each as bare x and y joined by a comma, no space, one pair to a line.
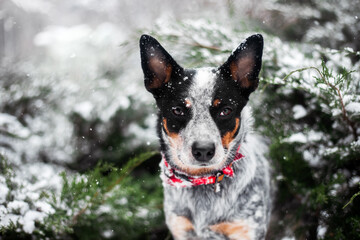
237,78
167,81
229,94
172,96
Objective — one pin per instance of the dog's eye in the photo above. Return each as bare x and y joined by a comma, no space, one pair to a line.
225,111
178,111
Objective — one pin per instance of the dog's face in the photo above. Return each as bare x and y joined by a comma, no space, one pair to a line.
200,110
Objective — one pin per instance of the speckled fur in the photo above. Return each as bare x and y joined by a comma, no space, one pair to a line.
245,197
241,210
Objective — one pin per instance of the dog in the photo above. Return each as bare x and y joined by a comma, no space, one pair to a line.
216,179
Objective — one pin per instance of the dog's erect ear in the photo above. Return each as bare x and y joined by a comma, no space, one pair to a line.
244,64
157,64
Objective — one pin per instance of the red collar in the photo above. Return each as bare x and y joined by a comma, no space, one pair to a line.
171,177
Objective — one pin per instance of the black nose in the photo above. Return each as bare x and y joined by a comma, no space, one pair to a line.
203,151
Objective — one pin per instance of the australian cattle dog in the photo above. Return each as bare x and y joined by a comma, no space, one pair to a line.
215,177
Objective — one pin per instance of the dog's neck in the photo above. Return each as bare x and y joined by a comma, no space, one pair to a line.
175,178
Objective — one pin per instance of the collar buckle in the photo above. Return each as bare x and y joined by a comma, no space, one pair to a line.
219,178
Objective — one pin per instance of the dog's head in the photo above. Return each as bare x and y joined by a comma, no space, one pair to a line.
200,109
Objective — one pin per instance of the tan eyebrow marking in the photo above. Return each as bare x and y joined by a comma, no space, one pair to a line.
216,102
187,103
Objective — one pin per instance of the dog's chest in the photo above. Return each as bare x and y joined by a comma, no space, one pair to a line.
201,204
242,198
205,206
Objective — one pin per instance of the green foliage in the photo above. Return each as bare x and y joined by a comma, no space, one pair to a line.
352,199
313,195
7,172
106,202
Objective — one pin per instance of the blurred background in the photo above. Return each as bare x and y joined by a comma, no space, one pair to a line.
75,118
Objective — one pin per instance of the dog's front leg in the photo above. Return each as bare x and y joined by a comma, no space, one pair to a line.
233,230
181,227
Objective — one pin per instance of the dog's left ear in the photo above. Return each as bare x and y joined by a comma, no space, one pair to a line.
244,64
157,64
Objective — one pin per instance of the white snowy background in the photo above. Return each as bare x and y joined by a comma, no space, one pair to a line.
70,76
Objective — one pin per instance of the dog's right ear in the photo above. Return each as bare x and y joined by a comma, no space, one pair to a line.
157,64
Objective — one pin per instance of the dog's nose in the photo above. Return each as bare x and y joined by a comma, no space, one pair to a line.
203,151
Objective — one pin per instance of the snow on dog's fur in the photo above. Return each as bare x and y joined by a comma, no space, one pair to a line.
204,125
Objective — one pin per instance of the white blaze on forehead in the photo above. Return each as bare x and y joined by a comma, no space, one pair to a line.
203,84
203,77
201,126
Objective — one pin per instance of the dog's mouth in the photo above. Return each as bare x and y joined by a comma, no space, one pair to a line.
203,164
200,168
192,167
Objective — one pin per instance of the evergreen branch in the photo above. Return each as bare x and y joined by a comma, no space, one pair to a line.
200,45
130,166
343,110
300,70
196,44
351,199
345,116
125,171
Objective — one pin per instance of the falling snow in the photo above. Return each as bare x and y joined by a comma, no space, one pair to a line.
79,74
